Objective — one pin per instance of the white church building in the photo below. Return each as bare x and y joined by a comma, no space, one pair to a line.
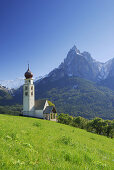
39,108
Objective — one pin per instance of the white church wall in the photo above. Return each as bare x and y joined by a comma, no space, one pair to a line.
28,113
31,98
28,95
25,102
39,113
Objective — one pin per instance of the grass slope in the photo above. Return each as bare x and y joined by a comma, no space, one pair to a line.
27,143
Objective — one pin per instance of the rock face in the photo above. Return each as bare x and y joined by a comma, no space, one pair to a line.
84,66
80,64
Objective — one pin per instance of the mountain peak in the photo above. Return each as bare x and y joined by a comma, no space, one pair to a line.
74,48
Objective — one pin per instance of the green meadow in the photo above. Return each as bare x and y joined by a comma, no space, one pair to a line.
29,143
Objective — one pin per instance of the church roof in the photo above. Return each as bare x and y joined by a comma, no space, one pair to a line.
49,109
39,104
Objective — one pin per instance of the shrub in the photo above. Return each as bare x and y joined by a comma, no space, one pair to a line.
65,119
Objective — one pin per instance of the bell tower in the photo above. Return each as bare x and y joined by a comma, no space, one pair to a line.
28,94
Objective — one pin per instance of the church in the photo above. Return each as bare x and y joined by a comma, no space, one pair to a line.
40,108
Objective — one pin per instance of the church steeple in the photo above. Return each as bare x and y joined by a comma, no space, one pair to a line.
28,73
28,93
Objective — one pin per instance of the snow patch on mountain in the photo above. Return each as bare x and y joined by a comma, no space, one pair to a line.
105,69
16,83
12,83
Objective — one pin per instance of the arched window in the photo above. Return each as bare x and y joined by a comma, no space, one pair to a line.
26,88
26,93
53,115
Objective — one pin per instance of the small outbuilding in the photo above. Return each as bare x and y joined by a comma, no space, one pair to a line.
44,110
50,113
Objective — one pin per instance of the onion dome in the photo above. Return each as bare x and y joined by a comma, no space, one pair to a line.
28,74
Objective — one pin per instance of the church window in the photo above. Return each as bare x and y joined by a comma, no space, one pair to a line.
31,87
26,93
32,93
26,88
53,116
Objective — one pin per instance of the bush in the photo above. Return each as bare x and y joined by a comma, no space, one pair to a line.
65,119
80,122
97,125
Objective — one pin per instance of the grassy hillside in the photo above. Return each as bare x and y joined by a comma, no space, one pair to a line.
27,143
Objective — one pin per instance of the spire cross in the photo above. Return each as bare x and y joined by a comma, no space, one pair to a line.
28,66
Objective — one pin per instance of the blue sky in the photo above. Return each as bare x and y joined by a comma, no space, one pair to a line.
41,32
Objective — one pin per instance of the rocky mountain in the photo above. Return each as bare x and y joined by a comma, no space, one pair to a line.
84,66
109,80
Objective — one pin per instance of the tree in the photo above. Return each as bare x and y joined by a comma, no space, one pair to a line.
98,125
65,119
80,122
